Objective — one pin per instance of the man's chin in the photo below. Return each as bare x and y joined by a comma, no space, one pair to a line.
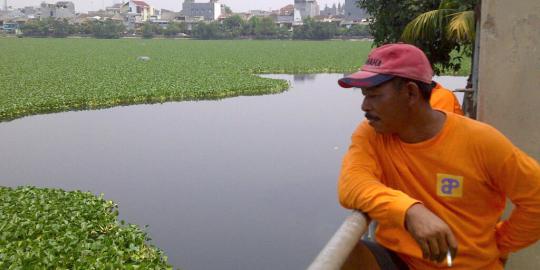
376,124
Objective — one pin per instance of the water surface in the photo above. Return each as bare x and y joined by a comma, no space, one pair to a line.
240,183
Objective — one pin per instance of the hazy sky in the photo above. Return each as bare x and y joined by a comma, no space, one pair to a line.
236,5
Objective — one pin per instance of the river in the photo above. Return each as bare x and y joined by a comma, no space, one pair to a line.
240,183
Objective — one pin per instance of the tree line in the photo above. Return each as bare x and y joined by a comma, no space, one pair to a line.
63,28
233,27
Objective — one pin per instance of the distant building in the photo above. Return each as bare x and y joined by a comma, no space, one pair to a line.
30,12
285,21
60,10
168,15
353,12
260,13
333,11
140,10
11,15
305,8
287,10
10,27
114,9
210,11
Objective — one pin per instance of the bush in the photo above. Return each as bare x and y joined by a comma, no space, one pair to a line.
108,29
312,29
148,30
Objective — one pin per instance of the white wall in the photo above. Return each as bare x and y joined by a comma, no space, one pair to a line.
509,83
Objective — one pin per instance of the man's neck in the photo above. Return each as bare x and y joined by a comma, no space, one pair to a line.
423,126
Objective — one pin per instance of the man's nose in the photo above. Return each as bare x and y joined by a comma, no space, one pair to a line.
366,106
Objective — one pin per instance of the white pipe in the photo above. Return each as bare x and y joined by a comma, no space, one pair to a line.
338,249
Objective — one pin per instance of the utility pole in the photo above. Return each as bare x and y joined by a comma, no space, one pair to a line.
5,5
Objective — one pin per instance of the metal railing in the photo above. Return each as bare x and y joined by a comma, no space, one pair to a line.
338,249
469,101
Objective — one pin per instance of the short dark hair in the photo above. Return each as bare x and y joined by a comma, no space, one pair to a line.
425,88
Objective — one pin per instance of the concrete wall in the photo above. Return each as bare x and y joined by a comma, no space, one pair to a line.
509,83
509,75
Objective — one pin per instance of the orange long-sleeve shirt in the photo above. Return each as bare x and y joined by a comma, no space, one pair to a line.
444,99
463,175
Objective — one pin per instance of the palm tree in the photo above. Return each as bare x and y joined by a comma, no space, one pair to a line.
455,19
449,28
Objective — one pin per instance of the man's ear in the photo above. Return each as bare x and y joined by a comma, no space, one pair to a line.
413,92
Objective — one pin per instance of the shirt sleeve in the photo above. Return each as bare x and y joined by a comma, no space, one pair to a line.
518,176
359,185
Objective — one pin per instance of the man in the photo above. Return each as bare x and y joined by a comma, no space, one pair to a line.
435,181
444,99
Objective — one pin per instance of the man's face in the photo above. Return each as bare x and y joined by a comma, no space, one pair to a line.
386,107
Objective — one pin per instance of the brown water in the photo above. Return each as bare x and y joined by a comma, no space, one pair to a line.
240,183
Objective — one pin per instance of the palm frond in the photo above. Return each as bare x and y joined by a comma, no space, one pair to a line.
426,25
449,4
462,26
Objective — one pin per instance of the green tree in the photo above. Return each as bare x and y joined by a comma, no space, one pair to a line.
357,30
148,30
173,29
252,24
36,28
392,17
227,10
232,26
266,29
311,29
107,29
86,28
450,27
283,33
204,30
60,28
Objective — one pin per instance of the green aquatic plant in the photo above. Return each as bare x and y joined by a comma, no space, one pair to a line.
56,229
55,75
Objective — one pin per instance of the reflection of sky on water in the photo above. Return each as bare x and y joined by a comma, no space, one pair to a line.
240,183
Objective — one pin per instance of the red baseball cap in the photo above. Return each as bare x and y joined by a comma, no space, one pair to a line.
389,61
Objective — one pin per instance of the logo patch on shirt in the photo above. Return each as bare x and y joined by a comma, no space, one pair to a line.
449,185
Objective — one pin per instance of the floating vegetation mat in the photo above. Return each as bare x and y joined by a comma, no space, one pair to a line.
53,75
56,229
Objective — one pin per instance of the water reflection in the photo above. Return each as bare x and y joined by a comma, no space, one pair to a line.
241,183
304,77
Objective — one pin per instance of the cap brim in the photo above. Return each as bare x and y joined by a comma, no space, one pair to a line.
364,79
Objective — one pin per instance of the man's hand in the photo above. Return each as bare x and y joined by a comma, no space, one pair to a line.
432,234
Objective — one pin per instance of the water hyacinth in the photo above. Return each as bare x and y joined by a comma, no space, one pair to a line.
54,75
56,229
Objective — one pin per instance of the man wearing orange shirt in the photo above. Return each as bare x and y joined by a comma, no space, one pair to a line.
435,181
444,99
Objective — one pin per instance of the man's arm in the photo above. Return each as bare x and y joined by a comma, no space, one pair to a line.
360,188
518,176
359,184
